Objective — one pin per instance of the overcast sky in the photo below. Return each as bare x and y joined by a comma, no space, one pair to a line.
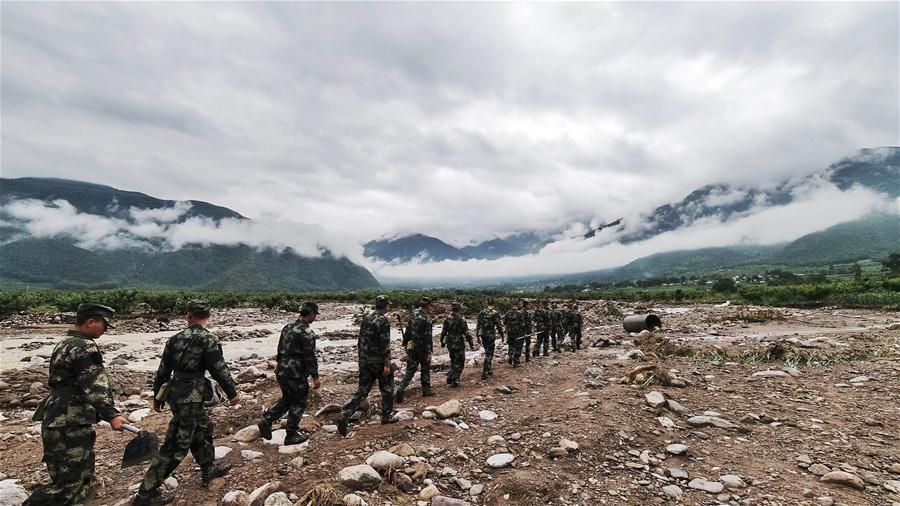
461,121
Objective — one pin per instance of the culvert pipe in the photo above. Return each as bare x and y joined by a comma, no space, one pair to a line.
639,322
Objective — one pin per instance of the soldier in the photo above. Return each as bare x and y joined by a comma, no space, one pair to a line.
186,357
454,334
486,330
516,329
526,318
543,326
555,327
296,363
575,322
418,343
80,396
374,363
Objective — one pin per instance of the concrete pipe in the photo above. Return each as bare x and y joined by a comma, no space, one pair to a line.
639,322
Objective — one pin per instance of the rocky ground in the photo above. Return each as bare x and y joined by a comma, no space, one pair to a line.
723,405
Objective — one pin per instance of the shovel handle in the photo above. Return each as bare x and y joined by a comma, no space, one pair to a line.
130,428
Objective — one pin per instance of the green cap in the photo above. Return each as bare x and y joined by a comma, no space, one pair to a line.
424,301
492,301
105,313
455,305
381,302
198,305
523,302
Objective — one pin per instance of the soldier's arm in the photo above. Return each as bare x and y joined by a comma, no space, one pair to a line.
95,383
164,372
468,334
218,369
384,338
444,329
308,347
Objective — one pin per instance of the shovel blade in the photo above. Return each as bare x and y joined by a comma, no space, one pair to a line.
142,448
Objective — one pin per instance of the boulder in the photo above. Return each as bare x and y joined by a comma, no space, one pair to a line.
383,461
449,409
259,495
844,478
278,499
655,399
500,460
712,487
247,434
360,477
429,492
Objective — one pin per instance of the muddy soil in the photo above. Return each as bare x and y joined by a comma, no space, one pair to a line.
802,393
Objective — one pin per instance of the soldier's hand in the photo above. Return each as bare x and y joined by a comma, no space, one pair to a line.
317,383
117,422
157,406
234,401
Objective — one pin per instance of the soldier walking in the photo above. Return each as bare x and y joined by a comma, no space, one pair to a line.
555,327
516,329
454,334
487,328
374,363
186,357
296,364
80,396
418,342
543,326
526,318
575,323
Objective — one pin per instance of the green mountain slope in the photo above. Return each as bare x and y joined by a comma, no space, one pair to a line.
871,237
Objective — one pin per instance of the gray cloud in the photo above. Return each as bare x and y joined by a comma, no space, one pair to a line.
457,120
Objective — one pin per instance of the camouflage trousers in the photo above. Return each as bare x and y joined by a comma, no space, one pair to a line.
576,338
368,375
489,343
555,339
414,361
527,346
189,429
515,349
543,340
69,455
457,363
294,394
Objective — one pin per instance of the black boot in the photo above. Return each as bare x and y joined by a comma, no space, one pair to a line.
214,471
295,438
265,429
427,393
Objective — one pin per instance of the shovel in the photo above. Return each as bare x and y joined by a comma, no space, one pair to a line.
142,448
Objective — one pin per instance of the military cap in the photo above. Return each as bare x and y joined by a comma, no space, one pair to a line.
381,302
492,301
523,302
309,307
424,301
105,313
455,305
198,305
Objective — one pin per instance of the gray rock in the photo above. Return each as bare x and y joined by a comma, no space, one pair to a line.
236,498
353,500
383,461
476,490
732,481
711,487
278,499
844,478
360,477
819,469
448,501
247,434
500,460
259,495
677,448
678,474
672,491
655,399
449,409
710,421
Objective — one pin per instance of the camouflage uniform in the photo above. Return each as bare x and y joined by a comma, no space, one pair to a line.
418,343
374,355
454,334
487,328
516,328
187,355
543,326
575,322
555,327
526,318
296,363
79,396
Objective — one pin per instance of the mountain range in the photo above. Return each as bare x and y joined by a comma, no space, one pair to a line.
877,169
60,262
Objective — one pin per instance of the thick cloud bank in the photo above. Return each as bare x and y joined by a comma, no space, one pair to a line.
162,228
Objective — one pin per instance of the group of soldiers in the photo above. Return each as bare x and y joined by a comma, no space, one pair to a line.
80,393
